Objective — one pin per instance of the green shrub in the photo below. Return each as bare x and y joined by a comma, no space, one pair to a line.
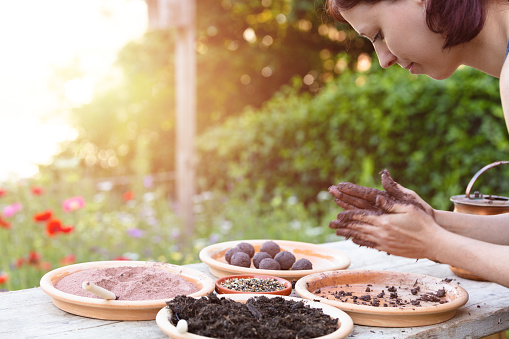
433,136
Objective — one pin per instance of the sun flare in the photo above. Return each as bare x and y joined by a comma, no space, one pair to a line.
39,38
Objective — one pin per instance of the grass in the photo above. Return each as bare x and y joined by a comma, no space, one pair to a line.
90,222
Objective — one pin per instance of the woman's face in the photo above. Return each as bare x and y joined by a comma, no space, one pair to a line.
400,35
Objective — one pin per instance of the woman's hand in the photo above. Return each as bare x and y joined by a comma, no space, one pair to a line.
402,229
350,196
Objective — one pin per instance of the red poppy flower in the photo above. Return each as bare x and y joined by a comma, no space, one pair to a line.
19,262
53,227
68,259
3,277
129,195
34,258
45,266
43,216
121,258
5,224
3,192
66,229
36,190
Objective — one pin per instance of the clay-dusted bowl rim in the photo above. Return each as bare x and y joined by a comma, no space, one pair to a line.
345,328
204,282
460,294
323,259
223,290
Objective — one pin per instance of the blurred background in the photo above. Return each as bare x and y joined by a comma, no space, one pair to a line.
288,102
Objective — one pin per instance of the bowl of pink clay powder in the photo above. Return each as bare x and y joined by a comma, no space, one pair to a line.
122,290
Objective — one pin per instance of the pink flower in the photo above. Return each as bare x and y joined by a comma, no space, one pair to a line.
36,190
68,260
12,209
73,204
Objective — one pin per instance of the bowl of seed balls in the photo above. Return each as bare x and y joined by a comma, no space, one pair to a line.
253,283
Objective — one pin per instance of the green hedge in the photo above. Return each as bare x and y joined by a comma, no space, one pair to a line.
432,135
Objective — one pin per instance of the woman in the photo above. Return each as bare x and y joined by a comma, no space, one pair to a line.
432,37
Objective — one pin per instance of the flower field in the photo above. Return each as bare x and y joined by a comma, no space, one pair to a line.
43,227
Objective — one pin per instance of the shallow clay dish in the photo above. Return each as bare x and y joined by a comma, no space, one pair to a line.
223,290
322,258
465,274
408,315
344,321
118,309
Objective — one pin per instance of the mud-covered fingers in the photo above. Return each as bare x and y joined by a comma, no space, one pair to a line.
398,192
366,243
350,202
352,217
353,190
385,203
344,205
392,186
357,237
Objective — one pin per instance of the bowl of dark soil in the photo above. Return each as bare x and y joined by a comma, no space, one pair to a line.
251,316
384,298
129,290
252,283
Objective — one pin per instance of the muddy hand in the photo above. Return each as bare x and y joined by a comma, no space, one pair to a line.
346,225
403,195
351,196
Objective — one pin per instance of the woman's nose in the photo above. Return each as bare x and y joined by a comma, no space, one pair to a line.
385,57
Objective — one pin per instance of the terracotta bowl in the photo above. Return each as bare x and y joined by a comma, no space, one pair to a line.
223,290
344,321
407,315
118,309
322,258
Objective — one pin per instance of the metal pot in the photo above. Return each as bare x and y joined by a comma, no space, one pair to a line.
478,204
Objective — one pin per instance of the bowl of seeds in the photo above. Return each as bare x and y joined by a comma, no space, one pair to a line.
252,283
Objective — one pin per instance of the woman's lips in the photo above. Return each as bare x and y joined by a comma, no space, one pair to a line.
410,67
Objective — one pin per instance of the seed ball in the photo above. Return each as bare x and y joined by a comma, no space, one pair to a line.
270,247
241,259
269,264
258,257
229,253
247,248
302,264
285,259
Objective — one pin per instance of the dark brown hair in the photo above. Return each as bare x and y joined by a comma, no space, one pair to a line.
459,21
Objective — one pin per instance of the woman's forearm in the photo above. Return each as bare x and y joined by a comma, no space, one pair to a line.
489,228
483,259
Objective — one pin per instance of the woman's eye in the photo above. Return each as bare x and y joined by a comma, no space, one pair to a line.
379,35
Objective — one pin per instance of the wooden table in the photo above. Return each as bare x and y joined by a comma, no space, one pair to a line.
30,313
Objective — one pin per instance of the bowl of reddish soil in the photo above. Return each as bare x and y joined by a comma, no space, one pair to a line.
322,259
384,298
253,315
252,283
141,288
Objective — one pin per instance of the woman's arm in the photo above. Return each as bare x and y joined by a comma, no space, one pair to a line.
407,230
489,228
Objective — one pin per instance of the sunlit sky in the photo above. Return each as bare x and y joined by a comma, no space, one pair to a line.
38,36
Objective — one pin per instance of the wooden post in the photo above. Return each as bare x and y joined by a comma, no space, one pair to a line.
180,14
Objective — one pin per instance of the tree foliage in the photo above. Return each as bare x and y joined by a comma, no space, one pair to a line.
246,50
431,135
